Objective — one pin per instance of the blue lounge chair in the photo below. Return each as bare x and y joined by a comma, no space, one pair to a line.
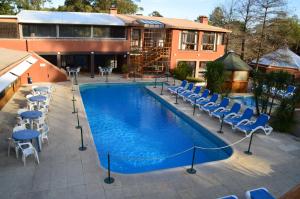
188,89
290,91
190,93
239,119
229,197
212,100
227,112
261,123
260,193
215,107
199,98
173,89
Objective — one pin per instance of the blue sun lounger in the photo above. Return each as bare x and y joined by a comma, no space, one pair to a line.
260,193
227,112
229,197
188,94
290,91
199,98
188,89
212,100
173,89
261,123
210,107
239,119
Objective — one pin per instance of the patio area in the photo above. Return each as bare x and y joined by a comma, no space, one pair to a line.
66,172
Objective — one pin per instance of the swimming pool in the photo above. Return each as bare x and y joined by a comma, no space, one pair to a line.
141,132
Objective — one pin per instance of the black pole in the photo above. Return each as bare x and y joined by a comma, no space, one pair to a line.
167,77
73,99
248,152
176,102
221,127
78,124
74,111
76,82
173,80
162,88
192,170
82,147
155,82
194,106
106,76
109,179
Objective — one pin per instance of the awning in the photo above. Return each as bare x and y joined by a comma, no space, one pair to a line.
6,80
21,68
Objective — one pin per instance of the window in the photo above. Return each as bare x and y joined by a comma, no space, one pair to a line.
74,31
109,32
188,40
136,38
209,41
39,30
221,39
8,30
202,70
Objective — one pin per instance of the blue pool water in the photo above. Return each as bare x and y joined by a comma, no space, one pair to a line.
141,132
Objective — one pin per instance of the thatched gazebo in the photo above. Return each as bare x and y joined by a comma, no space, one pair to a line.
237,72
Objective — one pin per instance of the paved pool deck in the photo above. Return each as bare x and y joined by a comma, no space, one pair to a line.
66,172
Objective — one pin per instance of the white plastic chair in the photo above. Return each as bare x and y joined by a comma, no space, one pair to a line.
44,130
28,149
101,70
109,70
39,122
68,70
13,144
19,128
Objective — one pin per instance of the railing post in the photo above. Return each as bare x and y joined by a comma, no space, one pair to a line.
106,76
248,152
221,127
82,147
155,82
109,179
76,82
192,170
162,88
194,106
73,99
74,111
78,124
176,102
173,80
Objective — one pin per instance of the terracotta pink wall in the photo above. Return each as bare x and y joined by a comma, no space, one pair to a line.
199,55
66,45
43,71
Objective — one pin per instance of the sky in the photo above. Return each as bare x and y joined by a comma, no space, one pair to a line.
188,9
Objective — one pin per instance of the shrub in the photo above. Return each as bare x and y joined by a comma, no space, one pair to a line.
215,76
125,68
193,79
182,71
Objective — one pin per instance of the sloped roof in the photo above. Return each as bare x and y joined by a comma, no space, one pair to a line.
82,18
9,57
172,23
283,57
233,62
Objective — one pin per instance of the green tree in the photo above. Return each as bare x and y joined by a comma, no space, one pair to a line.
217,17
124,6
155,14
31,4
183,70
76,6
6,7
215,76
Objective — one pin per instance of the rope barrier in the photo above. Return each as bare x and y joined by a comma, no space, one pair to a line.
179,153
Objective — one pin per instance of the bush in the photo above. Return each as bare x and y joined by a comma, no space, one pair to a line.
125,68
193,79
182,71
215,76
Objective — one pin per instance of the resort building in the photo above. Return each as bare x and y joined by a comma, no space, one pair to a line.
147,45
283,59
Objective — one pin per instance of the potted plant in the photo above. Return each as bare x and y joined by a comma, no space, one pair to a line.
125,71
